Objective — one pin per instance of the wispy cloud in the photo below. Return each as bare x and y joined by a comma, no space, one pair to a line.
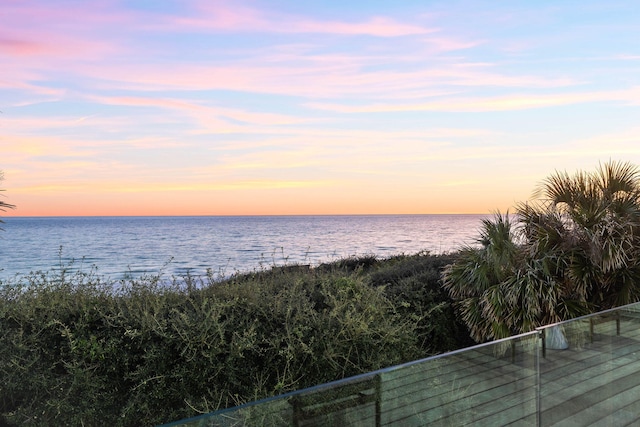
204,113
488,104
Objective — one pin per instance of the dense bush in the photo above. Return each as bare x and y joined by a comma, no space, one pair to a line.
413,284
76,349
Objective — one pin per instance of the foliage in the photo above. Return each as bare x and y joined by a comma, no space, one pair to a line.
3,205
77,349
414,284
574,249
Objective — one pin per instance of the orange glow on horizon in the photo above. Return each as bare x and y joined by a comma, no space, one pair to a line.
248,201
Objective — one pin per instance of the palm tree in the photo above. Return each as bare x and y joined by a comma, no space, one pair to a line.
480,276
575,248
4,206
600,244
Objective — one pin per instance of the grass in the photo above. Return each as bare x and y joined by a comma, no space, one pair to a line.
79,349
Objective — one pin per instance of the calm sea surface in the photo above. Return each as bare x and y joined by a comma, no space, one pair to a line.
176,245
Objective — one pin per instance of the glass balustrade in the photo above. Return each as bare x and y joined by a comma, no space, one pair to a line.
579,372
594,379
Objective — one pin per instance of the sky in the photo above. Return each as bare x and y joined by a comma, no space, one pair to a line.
285,107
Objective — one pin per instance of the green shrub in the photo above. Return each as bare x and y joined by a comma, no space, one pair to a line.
413,283
76,349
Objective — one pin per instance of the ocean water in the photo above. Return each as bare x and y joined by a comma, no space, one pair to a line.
120,246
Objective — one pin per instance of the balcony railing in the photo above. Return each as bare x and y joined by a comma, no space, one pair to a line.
580,372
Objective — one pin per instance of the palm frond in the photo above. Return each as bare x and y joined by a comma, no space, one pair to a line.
618,177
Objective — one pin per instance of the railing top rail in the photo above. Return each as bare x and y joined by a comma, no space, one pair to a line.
454,352
588,316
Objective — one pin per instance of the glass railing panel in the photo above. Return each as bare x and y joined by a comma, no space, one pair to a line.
268,412
492,384
351,402
585,371
589,372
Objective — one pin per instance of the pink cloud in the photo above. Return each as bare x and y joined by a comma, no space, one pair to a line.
229,16
444,44
50,29
218,16
377,26
20,47
79,16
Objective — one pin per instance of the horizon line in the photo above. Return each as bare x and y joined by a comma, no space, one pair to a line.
241,215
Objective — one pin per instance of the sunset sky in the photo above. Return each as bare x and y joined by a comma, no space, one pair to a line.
207,107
